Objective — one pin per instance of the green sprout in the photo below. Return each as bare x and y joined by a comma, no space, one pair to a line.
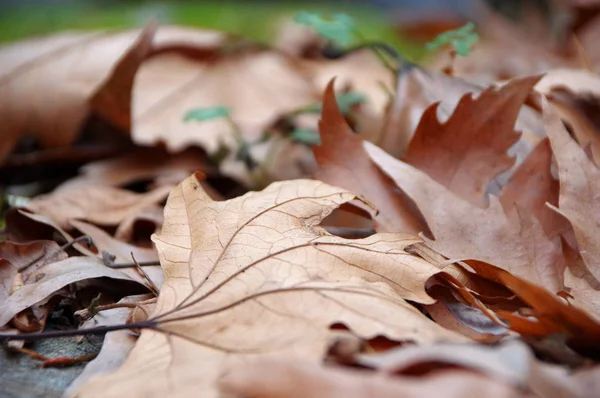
461,39
345,102
305,136
339,28
204,114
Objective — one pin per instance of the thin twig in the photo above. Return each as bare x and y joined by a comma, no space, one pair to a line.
108,260
150,283
5,337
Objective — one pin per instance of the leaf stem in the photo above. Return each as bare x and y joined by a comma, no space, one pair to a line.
5,337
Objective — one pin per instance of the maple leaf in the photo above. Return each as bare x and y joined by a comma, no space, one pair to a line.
256,277
468,150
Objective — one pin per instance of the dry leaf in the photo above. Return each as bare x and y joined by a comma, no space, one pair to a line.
53,277
257,86
578,81
343,162
256,277
123,252
552,315
510,362
578,200
468,150
361,71
462,230
300,380
45,83
101,205
116,345
140,165
531,186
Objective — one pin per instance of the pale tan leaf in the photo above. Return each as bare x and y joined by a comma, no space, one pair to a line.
300,380
123,252
579,189
578,81
51,278
116,345
257,86
140,165
45,83
256,277
101,205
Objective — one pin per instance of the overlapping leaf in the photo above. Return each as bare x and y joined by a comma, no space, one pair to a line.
256,277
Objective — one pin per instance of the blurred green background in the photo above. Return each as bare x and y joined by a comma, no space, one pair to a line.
256,20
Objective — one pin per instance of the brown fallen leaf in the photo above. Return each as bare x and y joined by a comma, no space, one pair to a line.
552,315
462,230
531,186
468,150
45,83
418,88
578,202
256,277
298,380
19,265
256,85
510,362
51,278
578,81
101,205
150,218
343,162
122,251
140,165
115,347
103,242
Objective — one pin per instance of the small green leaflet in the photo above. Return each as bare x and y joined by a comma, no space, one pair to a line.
204,114
345,102
306,136
461,39
338,28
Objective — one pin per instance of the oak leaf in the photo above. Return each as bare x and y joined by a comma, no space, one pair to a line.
343,162
256,277
462,230
467,151
578,202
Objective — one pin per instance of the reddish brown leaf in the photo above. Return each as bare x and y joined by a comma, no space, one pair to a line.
466,152
344,162
531,187
463,230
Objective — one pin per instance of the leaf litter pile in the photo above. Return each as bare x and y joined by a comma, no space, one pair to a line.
240,223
